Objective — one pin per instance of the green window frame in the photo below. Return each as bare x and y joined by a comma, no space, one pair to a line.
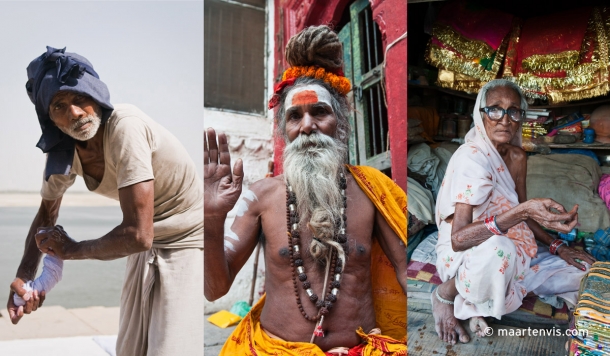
363,57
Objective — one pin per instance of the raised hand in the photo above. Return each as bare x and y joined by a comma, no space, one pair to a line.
221,187
541,211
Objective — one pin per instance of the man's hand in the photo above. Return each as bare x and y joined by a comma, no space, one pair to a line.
221,188
540,211
54,241
32,301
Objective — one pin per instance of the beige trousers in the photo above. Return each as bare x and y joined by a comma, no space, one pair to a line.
161,310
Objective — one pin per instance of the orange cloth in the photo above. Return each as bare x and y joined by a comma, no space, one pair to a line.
389,300
249,339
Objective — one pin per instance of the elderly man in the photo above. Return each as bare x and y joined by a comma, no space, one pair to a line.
325,226
122,154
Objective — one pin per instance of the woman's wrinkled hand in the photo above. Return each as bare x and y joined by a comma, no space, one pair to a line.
575,257
541,211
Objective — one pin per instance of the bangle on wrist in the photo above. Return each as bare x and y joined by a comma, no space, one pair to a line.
554,246
496,223
492,226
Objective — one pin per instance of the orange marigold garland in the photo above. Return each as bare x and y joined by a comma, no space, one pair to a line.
339,82
336,80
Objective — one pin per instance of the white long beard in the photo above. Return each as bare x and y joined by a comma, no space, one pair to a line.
312,164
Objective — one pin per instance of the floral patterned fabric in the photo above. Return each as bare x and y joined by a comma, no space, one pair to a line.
494,277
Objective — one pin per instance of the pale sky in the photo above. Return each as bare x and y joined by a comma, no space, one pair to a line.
149,53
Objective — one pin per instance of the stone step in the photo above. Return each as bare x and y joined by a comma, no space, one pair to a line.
57,321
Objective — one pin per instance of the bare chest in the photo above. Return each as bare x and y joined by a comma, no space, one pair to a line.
286,291
359,227
93,163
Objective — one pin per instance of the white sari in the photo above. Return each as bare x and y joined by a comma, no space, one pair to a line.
493,278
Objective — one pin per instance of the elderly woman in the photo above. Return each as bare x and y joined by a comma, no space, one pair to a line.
487,255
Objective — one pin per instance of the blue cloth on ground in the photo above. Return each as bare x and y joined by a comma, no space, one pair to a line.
601,253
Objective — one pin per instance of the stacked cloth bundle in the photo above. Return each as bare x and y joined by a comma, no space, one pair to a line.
420,212
421,206
415,131
592,314
558,57
429,163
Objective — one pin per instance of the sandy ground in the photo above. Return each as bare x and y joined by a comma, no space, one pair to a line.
8,199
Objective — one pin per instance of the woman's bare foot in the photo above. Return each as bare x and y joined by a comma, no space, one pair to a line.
447,326
478,325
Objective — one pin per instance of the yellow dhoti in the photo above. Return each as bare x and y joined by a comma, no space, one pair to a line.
249,339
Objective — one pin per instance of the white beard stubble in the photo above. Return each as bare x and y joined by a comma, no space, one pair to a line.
95,119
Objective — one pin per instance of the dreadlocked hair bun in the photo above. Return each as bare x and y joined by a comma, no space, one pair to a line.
315,46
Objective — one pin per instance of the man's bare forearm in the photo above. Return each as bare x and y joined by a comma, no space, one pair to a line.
46,216
122,241
217,274
134,235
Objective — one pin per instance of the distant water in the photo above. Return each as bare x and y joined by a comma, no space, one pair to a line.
85,282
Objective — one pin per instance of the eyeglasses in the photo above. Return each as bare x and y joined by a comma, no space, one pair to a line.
496,113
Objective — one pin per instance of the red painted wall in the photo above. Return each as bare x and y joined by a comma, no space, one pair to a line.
391,16
291,16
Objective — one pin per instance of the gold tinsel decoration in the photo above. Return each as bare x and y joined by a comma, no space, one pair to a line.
462,78
588,41
551,62
510,61
457,81
460,68
579,76
445,59
599,84
560,97
471,49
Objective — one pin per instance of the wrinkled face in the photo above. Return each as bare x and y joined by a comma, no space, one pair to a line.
77,115
503,130
308,109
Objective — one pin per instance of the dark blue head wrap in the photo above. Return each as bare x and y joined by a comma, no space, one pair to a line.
53,71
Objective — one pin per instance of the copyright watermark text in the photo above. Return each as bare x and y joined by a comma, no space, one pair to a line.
537,332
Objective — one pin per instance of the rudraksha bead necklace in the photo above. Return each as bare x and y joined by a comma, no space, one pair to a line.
296,261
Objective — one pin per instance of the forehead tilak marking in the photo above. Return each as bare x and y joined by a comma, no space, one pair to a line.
305,97
323,96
